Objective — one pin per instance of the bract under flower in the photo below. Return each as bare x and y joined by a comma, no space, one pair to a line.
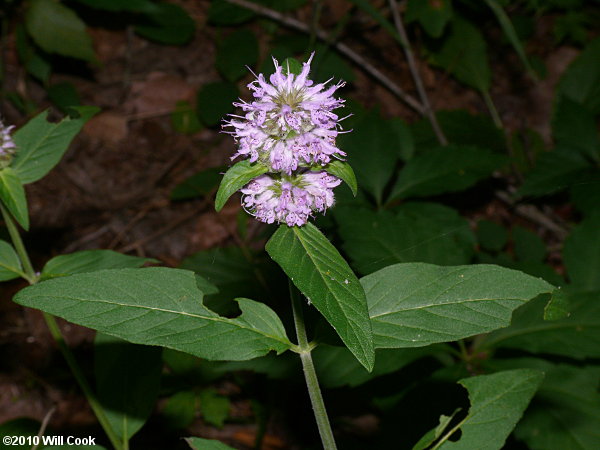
289,200
290,124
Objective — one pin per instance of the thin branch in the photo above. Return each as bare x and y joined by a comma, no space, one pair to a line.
414,70
342,48
44,426
534,214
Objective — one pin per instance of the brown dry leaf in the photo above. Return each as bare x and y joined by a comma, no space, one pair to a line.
158,94
109,127
269,441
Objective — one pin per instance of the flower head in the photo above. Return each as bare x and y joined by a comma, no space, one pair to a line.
7,145
289,200
290,123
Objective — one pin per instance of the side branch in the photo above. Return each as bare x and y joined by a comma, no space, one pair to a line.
414,70
342,48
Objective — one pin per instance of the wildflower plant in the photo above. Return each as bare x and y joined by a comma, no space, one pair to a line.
287,165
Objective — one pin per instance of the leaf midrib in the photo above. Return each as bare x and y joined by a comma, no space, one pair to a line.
31,152
183,313
298,236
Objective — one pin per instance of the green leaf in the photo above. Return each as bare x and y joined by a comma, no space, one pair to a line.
575,336
57,29
491,236
214,407
238,50
127,382
158,306
336,366
536,269
581,255
185,118
464,55
434,434
585,193
180,410
221,12
374,167
443,304
291,65
10,264
215,101
167,24
433,16
425,232
511,34
581,81
12,195
321,274
41,144
199,185
375,13
90,261
461,128
206,444
142,6
565,412
558,307
36,63
497,404
575,129
63,95
554,171
235,178
344,171
528,245
235,272
19,427
445,169
328,64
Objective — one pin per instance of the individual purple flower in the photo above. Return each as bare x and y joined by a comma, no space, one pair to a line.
7,145
290,123
289,200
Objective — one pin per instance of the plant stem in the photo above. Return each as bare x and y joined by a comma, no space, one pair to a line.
32,278
314,391
414,70
80,377
487,98
18,244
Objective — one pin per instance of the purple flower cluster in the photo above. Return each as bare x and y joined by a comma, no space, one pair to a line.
289,200
289,127
7,145
290,123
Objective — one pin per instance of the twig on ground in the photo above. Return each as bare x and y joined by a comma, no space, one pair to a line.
414,70
44,426
532,213
170,226
342,48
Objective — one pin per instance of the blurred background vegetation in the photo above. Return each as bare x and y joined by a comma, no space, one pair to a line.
475,140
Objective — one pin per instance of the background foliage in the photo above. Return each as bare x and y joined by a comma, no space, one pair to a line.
516,185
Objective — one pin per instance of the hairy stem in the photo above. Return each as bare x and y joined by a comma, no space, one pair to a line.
414,70
32,278
314,391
